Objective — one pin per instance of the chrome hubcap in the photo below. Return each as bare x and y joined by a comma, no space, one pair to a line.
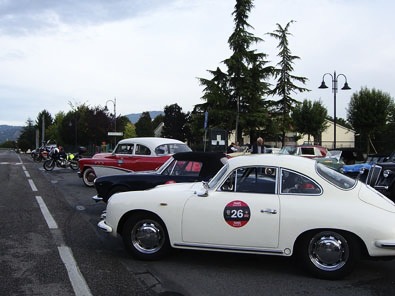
328,251
147,237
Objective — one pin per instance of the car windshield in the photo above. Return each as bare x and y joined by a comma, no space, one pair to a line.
214,181
334,177
183,168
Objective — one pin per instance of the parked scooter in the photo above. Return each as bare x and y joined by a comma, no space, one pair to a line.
58,158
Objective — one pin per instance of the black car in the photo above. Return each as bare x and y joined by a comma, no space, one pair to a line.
381,176
180,168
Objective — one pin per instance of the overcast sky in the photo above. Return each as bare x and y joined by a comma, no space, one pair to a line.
148,53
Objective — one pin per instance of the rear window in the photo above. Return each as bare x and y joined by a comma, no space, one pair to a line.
171,149
334,177
307,151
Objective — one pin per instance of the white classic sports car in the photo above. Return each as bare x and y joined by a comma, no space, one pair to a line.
262,204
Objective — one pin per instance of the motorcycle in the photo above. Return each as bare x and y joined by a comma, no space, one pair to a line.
42,152
61,160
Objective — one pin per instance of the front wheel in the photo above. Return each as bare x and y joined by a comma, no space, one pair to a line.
74,165
88,177
145,237
49,164
328,254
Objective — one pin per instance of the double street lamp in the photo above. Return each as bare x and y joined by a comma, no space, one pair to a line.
334,89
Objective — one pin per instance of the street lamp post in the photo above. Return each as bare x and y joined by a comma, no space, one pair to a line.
114,102
334,89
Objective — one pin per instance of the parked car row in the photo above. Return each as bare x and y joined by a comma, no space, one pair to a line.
160,195
267,204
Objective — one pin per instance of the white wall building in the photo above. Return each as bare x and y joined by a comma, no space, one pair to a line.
345,137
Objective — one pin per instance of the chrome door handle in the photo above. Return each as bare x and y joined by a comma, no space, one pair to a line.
269,211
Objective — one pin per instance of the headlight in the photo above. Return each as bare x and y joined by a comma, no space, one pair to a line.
386,173
361,171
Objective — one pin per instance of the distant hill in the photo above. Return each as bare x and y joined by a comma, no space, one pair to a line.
9,133
134,117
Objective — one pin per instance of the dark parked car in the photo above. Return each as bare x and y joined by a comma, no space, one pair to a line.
381,176
180,168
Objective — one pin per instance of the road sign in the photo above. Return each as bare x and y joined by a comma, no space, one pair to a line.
115,133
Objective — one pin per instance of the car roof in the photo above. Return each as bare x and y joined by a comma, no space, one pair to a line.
152,141
294,162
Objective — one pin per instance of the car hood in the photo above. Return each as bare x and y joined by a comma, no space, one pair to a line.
178,186
373,197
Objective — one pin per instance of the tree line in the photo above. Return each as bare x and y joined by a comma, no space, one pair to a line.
238,98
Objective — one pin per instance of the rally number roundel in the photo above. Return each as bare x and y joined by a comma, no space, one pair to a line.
237,213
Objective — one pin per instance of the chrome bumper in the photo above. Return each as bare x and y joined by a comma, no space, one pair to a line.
97,198
104,227
387,244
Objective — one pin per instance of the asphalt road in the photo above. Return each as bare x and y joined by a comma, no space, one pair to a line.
50,245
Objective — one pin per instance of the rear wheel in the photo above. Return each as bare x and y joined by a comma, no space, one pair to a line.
49,164
328,254
88,177
145,237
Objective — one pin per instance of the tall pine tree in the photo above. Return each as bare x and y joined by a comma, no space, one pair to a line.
234,99
285,80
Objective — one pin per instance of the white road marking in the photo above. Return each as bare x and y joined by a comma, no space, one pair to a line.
47,215
76,278
34,188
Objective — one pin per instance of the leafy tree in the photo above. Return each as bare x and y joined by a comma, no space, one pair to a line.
144,126
157,121
285,80
48,121
54,130
309,119
369,111
8,144
342,122
130,130
27,138
234,98
174,123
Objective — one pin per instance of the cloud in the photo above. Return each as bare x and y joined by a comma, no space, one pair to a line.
149,53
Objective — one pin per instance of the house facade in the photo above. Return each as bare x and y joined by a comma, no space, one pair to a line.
345,138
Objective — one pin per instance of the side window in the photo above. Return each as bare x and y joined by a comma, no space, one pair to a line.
142,150
161,150
125,149
252,180
186,168
294,183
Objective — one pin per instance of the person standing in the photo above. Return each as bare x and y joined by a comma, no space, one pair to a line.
258,146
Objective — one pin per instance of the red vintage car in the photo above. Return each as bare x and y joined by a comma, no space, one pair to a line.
133,154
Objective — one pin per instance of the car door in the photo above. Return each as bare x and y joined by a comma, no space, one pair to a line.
243,211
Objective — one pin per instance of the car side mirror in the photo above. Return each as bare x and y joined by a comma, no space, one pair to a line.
202,191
